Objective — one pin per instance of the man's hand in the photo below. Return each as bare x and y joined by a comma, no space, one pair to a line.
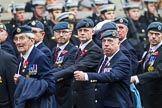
79,75
16,76
133,80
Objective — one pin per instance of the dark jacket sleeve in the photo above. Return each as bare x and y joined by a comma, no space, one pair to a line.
70,60
87,63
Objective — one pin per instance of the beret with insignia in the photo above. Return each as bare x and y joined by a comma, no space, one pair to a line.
2,26
121,20
37,24
22,29
108,26
109,33
87,23
155,26
61,25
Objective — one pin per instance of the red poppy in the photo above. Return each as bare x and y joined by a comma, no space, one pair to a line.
64,51
26,62
84,51
155,53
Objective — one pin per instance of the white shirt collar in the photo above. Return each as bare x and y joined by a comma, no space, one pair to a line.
123,40
85,44
38,43
26,55
62,47
109,58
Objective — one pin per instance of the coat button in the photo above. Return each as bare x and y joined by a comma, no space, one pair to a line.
96,101
96,89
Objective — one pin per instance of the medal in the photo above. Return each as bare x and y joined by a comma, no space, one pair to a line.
150,68
0,80
27,75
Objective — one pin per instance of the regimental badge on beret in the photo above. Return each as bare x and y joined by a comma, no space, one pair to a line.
87,25
0,80
71,16
33,23
1,26
159,27
68,26
18,30
113,33
121,20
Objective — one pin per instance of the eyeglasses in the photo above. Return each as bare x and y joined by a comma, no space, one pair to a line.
62,32
20,39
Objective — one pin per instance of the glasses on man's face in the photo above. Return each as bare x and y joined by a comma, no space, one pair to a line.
20,39
62,32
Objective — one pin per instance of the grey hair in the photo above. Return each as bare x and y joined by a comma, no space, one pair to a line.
30,35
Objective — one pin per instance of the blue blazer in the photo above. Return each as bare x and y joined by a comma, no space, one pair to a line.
112,88
46,51
38,68
134,58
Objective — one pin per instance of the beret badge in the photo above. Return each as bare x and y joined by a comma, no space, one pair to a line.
121,20
18,30
33,23
113,33
87,25
159,27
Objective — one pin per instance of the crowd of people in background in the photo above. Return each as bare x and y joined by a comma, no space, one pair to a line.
55,60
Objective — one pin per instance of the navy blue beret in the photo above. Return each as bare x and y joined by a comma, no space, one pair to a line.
108,26
37,24
61,25
121,20
22,29
109,33
88,23
155,26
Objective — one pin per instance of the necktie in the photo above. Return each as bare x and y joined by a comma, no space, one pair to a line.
55,54
21,64
147,58
79,53
103,65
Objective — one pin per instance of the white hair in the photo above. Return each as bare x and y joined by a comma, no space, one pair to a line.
30,35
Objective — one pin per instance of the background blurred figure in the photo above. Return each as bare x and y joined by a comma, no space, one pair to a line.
107,12
151,15
18,19
39,14
137,28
